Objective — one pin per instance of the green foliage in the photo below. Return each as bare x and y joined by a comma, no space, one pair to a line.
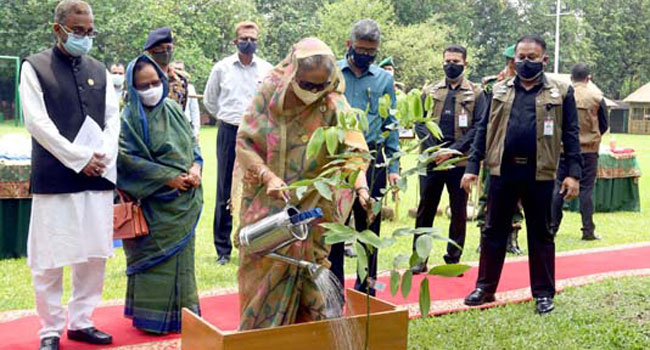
619,29
285,23
413,11
417,51
315,143
449,270
611,36
423,246
203,30
424,298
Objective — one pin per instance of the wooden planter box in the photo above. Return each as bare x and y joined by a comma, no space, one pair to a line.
388,330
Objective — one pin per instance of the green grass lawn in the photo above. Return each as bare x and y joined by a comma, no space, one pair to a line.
514,325
611,315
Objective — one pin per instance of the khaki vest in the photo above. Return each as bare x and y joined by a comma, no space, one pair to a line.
549,106
588,103
466,98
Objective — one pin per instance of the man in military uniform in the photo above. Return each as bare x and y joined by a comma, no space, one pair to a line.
192,110
507,72
388,65
160,46
457,108
530,120
488,83
592,113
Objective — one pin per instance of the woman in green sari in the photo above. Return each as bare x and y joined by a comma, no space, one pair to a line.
159,164
304,92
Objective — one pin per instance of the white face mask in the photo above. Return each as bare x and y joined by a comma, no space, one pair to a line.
306,96
151,96
118,79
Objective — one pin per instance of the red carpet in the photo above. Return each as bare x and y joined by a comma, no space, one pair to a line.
222,311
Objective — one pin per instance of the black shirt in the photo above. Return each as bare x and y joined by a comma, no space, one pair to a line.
447,119
570,135
521,135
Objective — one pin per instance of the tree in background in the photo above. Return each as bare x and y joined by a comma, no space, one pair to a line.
610,35
417,52
620,31
285,23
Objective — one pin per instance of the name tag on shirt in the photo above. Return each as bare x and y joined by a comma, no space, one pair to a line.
548,127
462,120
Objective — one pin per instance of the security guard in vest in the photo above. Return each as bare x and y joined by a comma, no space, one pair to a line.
457,107
160,46
518,217
592,114
531,118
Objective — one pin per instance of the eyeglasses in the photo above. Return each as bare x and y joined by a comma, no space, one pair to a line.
247,38
313,87
364,51
79,33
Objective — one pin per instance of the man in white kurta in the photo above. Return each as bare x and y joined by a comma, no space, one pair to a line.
70,229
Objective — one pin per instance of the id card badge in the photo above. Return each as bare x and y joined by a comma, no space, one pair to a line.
548,127
462,120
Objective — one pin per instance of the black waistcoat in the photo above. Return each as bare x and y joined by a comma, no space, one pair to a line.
73,88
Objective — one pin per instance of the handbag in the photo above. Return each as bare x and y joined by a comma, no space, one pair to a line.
128,219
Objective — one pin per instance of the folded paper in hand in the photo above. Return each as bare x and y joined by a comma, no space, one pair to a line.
90,135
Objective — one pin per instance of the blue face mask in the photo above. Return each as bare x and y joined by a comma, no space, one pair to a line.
362,61
247,47
76,45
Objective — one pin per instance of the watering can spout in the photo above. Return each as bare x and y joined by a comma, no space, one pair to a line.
313,269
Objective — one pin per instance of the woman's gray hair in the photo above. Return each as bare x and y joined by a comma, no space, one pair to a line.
67,7
367,30
311,63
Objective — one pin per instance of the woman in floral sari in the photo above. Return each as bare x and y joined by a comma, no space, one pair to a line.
159,164
304,92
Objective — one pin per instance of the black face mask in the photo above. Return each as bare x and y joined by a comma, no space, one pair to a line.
362,61
163,58
453,70
529,70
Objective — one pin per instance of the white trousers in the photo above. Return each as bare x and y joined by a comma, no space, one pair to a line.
87,285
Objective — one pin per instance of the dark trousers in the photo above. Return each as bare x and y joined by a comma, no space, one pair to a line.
222,226
505,191
587,182
376,178
431,186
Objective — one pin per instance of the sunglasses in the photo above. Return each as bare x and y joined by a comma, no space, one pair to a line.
309,86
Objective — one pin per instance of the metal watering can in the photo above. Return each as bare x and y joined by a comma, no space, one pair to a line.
276,231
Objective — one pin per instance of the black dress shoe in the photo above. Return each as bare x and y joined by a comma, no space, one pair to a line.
544,305
49,343
223,260
419,268
90,335
350,253
479,297
590,237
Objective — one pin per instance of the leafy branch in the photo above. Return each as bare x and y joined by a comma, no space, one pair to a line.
342,171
